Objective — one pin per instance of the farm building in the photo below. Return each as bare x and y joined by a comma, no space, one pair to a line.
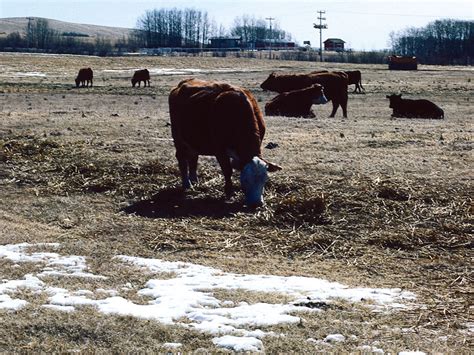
334,44
398,62
225,42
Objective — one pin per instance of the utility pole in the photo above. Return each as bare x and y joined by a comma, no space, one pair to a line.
321,27
270,19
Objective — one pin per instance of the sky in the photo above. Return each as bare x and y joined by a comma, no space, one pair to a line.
362,24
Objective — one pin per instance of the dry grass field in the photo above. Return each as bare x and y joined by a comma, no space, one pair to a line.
367,201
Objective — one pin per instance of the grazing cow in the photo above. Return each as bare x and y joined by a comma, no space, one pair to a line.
139,76
296,103
334,84
414,108
214,118
84,76
355,77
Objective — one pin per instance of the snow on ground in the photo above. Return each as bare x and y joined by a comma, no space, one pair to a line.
188,294
173,71
32,73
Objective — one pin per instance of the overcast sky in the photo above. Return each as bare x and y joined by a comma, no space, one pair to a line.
363,24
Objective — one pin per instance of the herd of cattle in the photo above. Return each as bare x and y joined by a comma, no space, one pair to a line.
225,121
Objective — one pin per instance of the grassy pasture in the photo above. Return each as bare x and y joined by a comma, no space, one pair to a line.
366,201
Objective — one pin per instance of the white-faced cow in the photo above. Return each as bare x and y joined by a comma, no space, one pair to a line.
139,76
84,77
414,108
214,118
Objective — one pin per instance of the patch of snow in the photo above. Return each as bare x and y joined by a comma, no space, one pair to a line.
335,338
408,352
6,302
317,342
29,282
372,349
59,308
31,73
172,345
238,343
56,265
174,71
188,294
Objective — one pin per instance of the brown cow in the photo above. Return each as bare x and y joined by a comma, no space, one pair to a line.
334,84
214,118
139,76
84,76
355,77
414,108
296,103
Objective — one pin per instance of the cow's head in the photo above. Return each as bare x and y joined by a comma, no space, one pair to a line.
253,177
318,97
134,81
77,82
270,82
394,100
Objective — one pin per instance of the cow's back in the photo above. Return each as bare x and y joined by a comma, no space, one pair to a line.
212,116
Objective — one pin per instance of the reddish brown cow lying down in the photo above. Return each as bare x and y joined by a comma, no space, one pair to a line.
213,118
296,103
414,108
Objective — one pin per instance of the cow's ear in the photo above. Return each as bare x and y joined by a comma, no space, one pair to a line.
387,96
272,167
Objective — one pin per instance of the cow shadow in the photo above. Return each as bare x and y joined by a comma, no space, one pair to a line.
175,203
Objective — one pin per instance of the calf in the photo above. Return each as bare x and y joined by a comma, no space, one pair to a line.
296,103
355,77
414,108
139,76
84,77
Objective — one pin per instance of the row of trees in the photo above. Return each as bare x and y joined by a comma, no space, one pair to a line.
39,36
252,30
440,42
173,28
192,28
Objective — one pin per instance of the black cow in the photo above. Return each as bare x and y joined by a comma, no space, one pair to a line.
355,77
84,77
141,75
414,108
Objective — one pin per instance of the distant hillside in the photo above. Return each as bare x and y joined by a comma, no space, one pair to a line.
18,24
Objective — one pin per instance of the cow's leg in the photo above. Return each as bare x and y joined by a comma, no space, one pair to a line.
183,169
91,82
335,105
193,162
344,108
226,167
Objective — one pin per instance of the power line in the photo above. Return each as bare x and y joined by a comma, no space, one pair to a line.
387,14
